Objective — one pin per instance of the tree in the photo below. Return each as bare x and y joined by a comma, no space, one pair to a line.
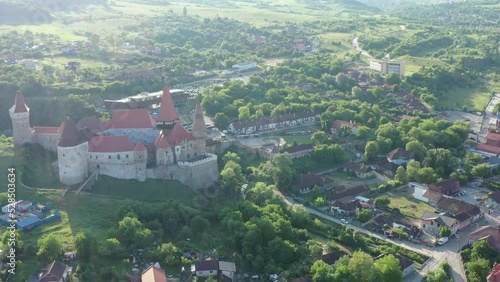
481,249
50,248
261,193
364,215
412,169
444,231
282,172
371,150
232,177
426,175
171,254
132,234
322,272
401,175
85,246
319,137
417,148
477,270
392,78
221,120
231,156
320,202
112,248
363,269
382,202
473,159
391,270
364,132
244,113
481,170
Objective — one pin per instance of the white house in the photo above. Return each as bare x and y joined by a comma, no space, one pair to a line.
206,268
245,65
419,190
227,268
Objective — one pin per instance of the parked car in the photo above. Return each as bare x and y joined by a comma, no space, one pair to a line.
442,240
344,221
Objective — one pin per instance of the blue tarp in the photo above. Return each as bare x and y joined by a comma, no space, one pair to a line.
27,221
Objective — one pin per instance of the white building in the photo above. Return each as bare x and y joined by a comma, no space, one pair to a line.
245,66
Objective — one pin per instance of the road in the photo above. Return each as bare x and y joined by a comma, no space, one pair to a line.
355,43
437,254
489,117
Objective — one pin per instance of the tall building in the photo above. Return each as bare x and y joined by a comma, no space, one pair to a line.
131,145
385,66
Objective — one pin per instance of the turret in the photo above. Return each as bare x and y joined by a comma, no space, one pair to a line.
20,116
199,131
72,151
141,157
168,115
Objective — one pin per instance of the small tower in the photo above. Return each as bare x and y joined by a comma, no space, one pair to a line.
20,116
141,158
199,131
168,115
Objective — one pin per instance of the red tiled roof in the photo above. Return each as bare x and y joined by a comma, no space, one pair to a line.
494,276
92,123
19,103
161,141
153,274
199,126
55,272
177,134
338,124
110,144
400,154
139,147
70,135
45,130
493,136
167,109
488,148
136,118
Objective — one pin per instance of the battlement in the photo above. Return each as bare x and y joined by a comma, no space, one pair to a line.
207,157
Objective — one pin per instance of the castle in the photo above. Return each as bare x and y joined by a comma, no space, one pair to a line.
131,145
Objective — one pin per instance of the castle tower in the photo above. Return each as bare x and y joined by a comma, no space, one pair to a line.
20,116
72,151
141,157
199,131
168,115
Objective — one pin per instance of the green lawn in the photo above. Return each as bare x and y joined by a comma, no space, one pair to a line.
307,164
409,207
473,98
413,64
152,190
298,139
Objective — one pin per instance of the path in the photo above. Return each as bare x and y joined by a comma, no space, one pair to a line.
355,43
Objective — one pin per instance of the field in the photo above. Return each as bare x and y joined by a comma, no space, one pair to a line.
413,64
473,98
409,207
298,139
151,190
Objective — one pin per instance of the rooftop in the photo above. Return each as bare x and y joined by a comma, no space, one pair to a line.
110,144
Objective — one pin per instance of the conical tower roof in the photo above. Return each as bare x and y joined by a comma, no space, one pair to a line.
19,105
167,114
70,135
199,125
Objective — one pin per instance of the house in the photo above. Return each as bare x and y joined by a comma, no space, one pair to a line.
305,183
419,191
360,170
153,274
55,272
72,66
385,223
432,223
407,265
269,123
387,167
227,269
492,144
245,66
299,150
493,200
446,187
206,268
360,190
339,124
347,205
494,275
23,206
464,212
432,197
489,233
400,156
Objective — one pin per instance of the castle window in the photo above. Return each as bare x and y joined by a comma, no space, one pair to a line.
98,166
126,156
109,157
90,157
118,156
64,155
188,156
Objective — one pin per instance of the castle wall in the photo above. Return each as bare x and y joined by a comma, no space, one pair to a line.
122,165
47,141
185,151
144,135
164,156
72,162
197,175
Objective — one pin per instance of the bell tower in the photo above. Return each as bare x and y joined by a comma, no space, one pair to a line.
20,116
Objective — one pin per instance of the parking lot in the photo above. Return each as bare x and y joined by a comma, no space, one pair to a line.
475,120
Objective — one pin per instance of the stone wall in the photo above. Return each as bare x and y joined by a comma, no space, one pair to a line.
47,141
144,135
72,162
